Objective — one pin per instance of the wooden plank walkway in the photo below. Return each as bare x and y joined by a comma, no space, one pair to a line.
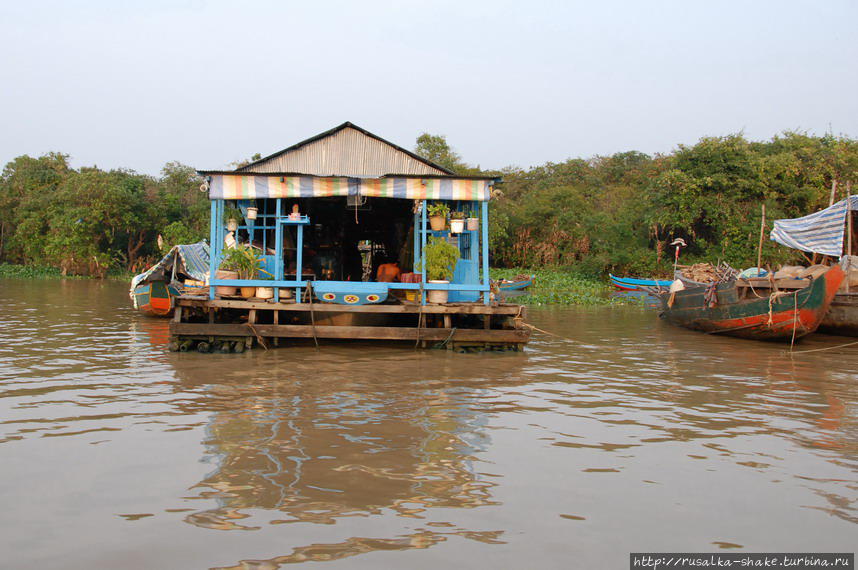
453,325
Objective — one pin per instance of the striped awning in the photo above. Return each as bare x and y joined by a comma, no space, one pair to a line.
820,232
237,187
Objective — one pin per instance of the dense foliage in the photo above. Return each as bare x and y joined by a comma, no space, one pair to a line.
619,213
89,221
615,213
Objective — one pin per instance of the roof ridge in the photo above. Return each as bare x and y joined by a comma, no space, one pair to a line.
338,128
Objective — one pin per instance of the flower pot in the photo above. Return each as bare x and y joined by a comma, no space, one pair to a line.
265,292
248,292
439,297
286,293
457,226
232,224
438,223
473,224
295,216
225,290
251,212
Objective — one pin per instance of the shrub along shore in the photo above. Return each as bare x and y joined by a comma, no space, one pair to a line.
554,286
596,215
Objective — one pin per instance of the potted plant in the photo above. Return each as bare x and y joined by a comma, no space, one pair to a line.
252,211
265,292
457,222
230,262
441,258
438,213
473,222
251,265
231,216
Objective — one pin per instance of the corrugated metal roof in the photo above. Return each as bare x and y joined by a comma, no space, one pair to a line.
346,150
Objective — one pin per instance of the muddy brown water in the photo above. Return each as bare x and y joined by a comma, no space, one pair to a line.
626,435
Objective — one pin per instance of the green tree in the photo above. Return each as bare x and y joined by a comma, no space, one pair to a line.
436,149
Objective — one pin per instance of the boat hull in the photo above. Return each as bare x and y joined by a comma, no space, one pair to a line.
779,317
842,317
634,284
155,298
515,285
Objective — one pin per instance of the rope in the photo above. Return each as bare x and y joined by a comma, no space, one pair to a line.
446,340
312,313
548,333
419,315
772,298
824,348
258,338
754,291
794,321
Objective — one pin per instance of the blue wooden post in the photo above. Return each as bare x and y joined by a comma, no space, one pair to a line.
278,251
416,259
214,256
485,244
423,251
298,259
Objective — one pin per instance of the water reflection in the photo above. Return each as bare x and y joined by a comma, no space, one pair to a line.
296,433
358,449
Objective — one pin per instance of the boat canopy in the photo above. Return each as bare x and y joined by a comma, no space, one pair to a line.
820,232
231,186
194,259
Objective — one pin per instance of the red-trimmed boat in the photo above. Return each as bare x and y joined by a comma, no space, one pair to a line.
737,309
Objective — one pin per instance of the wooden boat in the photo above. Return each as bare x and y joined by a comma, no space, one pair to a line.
823,232
516,284
154,291
737,308
634,284
155,298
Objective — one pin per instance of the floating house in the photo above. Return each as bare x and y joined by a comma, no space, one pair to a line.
340,226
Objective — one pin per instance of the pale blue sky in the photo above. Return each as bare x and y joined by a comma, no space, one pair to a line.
122,84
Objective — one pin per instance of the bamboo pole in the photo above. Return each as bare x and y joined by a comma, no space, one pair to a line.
848,231
849,216
762,232
833,191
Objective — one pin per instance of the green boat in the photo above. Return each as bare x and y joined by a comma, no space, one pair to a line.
736,308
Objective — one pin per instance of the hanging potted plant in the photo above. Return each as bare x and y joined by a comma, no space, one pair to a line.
231,216
473,222
441,258
457,222
438,213
252,211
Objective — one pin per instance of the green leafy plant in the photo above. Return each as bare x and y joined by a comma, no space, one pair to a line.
230,213
441,258
457,215
244,260
439,209
232,258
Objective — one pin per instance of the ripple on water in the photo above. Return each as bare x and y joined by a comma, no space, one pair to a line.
357,449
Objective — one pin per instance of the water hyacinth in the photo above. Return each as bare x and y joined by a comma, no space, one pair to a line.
558,286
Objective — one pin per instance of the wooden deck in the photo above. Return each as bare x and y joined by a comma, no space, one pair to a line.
234,324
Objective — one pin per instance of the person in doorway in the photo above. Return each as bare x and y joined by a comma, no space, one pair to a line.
388,272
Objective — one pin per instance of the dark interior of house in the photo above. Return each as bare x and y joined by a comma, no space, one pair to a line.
345,241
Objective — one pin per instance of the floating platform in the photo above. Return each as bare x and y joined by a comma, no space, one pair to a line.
232,325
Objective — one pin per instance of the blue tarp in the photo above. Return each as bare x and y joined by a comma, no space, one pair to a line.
820,232
193,261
